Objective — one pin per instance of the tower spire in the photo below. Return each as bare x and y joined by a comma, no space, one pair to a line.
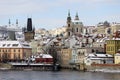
69,17
29,24
17,22
76,16
69,13
9,22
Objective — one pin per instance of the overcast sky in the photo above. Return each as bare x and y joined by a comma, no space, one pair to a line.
51,14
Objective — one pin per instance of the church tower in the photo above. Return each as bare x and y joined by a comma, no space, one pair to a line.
30,31
9,23
78,26
69,25
76,16
16,22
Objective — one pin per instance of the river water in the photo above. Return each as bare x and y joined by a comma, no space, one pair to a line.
61,75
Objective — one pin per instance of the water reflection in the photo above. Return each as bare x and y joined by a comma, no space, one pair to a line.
62,75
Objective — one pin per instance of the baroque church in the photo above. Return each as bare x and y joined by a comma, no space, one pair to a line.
74,27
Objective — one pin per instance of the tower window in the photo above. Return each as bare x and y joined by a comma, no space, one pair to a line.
76,22
72,30
68,33
68,25
77,29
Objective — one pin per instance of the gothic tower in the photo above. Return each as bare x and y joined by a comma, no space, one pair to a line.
29,32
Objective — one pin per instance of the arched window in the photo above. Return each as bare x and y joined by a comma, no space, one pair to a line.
68,25
68,33
76,29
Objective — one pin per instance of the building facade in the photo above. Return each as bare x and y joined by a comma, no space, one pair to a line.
74,27
117,58
14,51
66,57
112,46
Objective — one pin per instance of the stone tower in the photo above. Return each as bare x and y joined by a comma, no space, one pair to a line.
69,25
30,31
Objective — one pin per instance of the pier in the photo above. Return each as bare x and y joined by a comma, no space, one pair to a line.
34,66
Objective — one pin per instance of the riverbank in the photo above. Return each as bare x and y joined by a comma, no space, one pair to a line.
92,68
111,68
105,71
5,66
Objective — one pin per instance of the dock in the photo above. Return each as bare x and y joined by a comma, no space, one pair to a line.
34,66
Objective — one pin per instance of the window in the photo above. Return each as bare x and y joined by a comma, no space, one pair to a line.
76,22
8,50
76,29
14,50
15,45
8,44
3,45
19,50
72,30
68,25
68,33
26,45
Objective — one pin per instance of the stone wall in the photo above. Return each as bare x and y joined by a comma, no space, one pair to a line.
94,67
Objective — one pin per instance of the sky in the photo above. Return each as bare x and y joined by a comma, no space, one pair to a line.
50,14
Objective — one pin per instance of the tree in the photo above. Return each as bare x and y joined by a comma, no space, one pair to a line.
53,52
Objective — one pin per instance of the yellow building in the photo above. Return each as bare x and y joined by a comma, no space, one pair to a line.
117,58
14,50
112,46
65,57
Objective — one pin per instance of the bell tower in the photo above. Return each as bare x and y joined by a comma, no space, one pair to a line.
69,21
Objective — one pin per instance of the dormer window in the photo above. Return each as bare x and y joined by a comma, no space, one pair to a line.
76,22
4,45
8,44
15,45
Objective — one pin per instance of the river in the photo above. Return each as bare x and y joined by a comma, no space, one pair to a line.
61,75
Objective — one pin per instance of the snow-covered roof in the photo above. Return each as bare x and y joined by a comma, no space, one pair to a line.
117,54
44,56
114,39
14,44
102,39
100,55
47,56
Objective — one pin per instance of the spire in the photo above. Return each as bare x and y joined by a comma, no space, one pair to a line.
29,24
69,17
16,22
69,13
76,17
9,22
